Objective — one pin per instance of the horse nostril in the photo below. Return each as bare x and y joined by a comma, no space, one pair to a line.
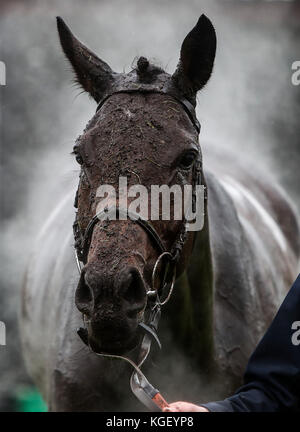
133,291
84,297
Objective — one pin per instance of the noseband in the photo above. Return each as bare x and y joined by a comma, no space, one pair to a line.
156,297
150,231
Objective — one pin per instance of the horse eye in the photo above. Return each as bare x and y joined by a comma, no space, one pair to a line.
78,158
188,159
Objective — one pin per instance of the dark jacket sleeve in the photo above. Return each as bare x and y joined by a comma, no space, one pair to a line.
272,377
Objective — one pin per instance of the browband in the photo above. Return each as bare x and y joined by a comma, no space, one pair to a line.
188,107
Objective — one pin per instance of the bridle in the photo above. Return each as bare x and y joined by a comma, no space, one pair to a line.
156,297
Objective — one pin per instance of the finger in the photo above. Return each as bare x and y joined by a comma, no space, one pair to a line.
171,408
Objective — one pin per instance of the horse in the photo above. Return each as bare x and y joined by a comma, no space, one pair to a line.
230,276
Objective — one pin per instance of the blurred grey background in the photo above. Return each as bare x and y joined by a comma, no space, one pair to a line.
249,107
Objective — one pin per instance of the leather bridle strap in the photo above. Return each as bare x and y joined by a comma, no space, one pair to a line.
187,106
117,212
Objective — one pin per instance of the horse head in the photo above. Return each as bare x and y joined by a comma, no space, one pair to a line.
144,130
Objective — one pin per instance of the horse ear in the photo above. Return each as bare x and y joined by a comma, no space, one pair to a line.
93,74
196,57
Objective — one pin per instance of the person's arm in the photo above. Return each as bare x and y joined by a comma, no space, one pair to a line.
272,377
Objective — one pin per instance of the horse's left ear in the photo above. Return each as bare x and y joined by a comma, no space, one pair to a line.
92,73
197,57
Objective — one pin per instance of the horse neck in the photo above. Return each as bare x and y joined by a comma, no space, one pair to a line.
191,314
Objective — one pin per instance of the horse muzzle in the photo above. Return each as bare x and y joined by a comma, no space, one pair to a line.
113,307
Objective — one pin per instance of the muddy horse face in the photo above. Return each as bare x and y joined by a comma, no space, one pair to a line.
144,130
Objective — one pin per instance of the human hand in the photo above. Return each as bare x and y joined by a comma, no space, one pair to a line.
184,407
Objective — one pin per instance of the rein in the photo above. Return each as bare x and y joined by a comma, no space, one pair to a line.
156,298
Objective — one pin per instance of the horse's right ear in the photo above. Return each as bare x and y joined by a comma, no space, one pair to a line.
93,74
197,57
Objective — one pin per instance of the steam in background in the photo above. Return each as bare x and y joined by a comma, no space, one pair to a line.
249,107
